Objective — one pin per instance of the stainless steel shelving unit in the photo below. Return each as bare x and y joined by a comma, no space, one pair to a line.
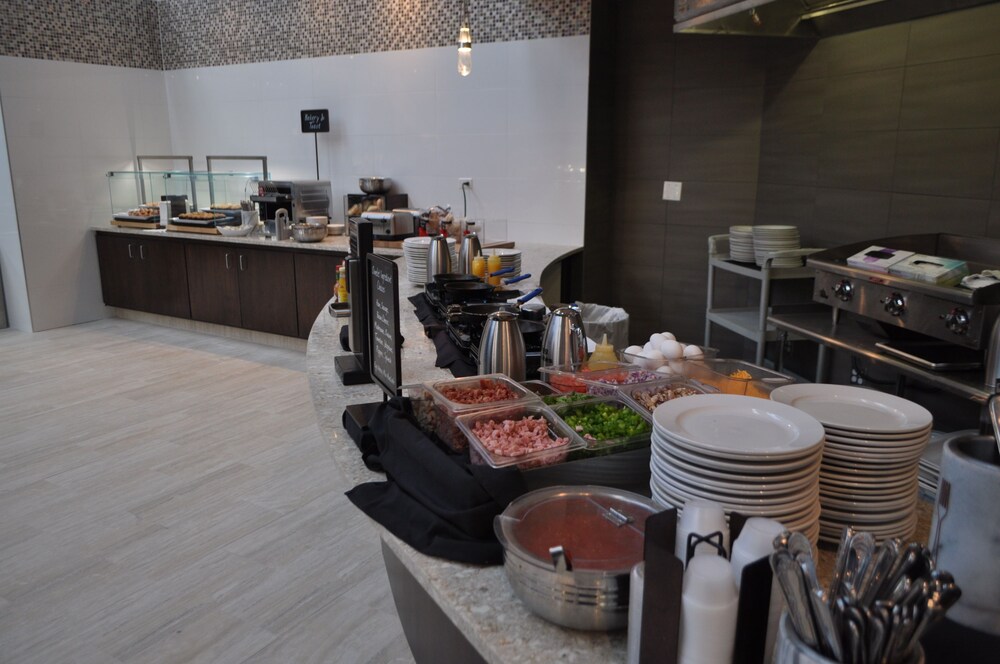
748,322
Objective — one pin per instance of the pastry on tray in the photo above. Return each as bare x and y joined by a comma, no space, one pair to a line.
201,216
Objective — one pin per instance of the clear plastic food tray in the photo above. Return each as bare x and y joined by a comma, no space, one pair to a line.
479,453
724,375
638,396
602,382
448,410
605,445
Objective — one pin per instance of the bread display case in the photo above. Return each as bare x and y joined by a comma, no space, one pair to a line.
131,190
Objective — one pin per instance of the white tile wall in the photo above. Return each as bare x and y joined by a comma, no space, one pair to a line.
516,126
67,124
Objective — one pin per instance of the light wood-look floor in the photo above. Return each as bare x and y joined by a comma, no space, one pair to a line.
165,496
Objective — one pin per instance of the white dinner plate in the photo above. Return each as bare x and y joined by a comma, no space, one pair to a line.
747,465
704,468
792,503
868,435
875,443
855,408
736,427
764,491
799,520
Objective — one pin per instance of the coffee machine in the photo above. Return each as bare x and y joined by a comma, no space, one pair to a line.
300,198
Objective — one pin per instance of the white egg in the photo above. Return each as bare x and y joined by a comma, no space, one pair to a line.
632,354
666,370
647,346
668,335
656,339
693,352
671,349
653,354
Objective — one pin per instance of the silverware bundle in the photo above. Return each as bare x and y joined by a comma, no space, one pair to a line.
880,602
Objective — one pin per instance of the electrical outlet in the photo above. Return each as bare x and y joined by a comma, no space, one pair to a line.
465,182
671,191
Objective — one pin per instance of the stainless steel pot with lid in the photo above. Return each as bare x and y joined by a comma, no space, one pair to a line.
568,551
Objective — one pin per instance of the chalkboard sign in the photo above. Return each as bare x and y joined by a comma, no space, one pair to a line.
383,323
316,121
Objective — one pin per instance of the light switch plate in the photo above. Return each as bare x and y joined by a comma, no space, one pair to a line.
671,191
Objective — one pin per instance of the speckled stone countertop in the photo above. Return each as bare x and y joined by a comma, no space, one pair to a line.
478,600
336,243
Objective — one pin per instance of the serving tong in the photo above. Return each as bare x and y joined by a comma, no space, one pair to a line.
881,600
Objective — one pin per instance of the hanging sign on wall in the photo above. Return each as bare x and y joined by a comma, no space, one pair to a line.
316,121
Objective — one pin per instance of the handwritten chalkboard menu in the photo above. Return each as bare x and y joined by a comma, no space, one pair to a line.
383,323
316,121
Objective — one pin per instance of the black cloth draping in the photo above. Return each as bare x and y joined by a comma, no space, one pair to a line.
432,499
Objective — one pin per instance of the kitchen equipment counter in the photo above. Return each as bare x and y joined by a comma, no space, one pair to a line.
478,601
847,335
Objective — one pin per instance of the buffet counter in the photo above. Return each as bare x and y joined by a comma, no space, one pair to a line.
334,243
478,601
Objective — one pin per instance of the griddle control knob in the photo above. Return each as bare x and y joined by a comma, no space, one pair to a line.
957,320
895,305
844,290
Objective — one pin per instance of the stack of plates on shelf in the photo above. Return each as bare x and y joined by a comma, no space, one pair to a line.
741,244
508,258
415,250
752,456
930,462
874,442
776,238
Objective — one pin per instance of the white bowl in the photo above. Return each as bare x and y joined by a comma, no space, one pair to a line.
235,231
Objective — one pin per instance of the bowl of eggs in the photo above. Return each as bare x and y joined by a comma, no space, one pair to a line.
665,355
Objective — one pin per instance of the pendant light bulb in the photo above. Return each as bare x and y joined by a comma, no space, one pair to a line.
464,49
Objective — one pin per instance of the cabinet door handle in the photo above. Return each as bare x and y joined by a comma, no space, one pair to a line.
227,260
130,251
242,266
142,252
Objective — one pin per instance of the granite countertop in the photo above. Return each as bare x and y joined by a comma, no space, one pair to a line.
336,243
479,600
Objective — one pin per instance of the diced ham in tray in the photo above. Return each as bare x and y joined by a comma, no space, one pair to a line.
514,438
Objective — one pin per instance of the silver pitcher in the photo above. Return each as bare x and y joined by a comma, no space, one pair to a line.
438,257
501,349
564,341
470,249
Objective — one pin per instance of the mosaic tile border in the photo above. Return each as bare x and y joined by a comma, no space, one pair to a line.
181,34
122,33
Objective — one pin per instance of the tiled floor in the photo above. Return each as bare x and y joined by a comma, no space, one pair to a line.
165,496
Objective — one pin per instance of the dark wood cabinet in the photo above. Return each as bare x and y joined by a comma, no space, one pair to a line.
315,280
213,283
267,291
276,290
145,274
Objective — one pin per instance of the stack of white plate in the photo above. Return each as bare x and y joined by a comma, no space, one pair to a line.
508,258
874,442
741,244
776,238
752,456
415,251
930,461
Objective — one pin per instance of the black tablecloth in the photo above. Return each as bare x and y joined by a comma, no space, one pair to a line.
449,356
432,499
